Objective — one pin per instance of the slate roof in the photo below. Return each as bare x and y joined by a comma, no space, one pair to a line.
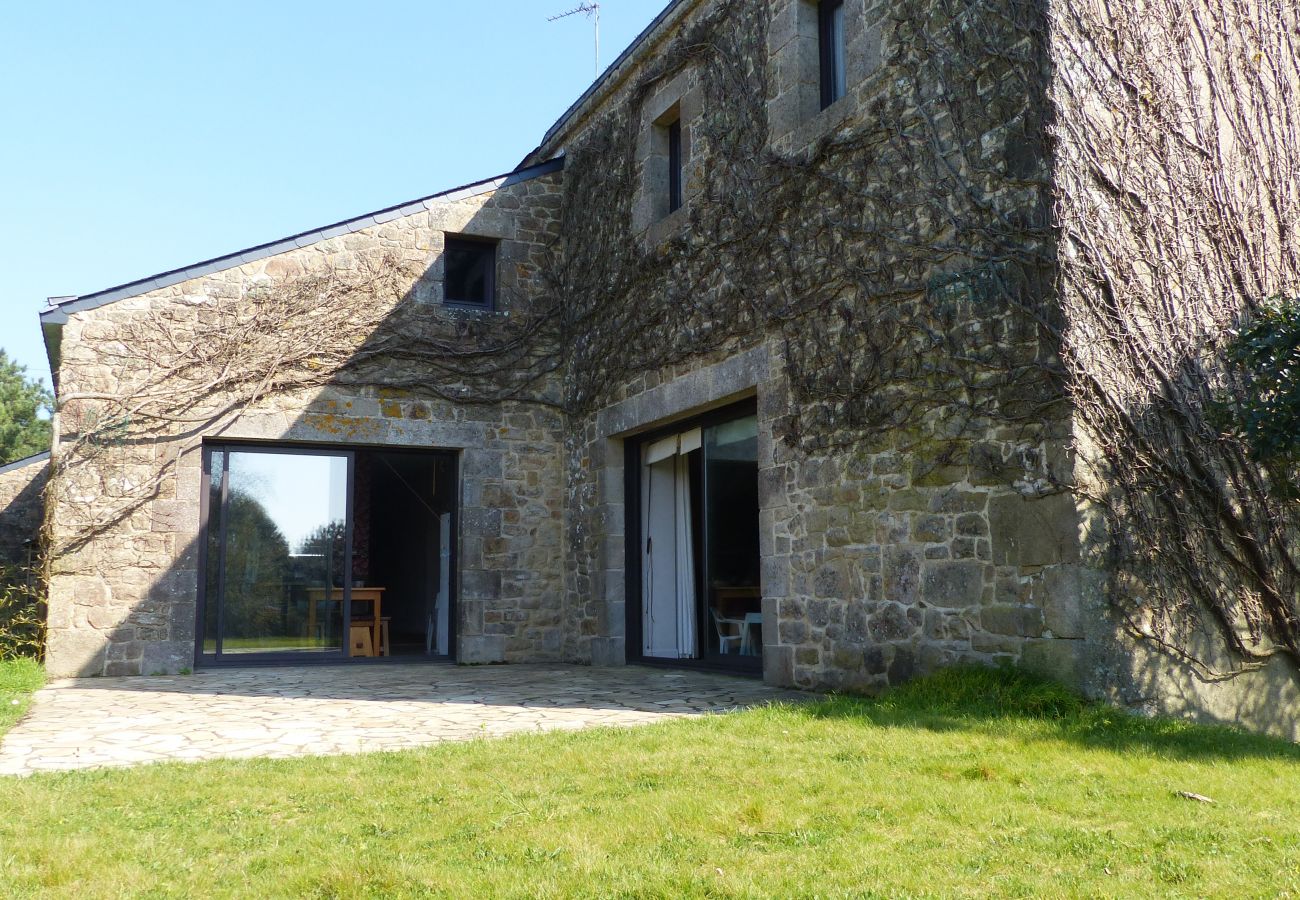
58,309
25,462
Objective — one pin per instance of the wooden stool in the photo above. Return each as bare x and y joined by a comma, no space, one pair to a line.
379,636
359,641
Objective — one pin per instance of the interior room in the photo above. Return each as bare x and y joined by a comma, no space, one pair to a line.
318,553
401,546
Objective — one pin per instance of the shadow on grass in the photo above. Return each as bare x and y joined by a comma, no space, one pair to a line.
963,698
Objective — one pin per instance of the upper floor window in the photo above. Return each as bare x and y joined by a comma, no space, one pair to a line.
674,135
830,43
664,164
470,272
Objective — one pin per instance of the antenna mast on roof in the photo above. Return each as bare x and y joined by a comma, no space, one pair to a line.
590,10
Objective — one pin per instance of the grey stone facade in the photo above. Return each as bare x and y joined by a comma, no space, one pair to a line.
22,509
878,563
123,602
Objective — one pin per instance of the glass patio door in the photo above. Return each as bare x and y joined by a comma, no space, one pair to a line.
278,552
699,575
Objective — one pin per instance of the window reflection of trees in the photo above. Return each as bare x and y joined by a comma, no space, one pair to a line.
324,547
266,584
258,567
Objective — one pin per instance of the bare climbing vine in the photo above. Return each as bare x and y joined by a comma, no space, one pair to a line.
903,262
179,370
1039,209
1178,127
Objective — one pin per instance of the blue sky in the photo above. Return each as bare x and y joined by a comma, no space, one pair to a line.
137,137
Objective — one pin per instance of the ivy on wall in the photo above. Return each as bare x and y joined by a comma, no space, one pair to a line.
1033,223
902,265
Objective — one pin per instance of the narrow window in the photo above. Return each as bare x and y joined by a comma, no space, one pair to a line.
675,165
471,272
830,40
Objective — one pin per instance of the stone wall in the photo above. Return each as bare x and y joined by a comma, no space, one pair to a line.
881,560
22,509
950,533
126,515
1165,277
883,566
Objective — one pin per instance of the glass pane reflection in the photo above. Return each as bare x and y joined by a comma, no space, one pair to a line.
731,513
281,566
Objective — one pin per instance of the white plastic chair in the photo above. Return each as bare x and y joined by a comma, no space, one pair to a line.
726,640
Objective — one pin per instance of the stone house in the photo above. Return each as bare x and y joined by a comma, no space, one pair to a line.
753,363
21,486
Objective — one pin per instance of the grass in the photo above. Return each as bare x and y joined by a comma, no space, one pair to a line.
971,783
281,642
19,678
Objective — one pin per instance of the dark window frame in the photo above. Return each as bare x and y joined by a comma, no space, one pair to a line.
211,447
632,550
832,52
463,242
674,130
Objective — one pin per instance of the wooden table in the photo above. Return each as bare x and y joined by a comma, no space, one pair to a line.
373,595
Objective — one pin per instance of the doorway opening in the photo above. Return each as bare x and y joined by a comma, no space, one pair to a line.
319,554
694,598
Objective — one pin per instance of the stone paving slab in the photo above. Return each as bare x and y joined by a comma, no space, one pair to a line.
282,712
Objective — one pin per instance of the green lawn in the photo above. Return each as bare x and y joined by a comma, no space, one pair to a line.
971,784
18,679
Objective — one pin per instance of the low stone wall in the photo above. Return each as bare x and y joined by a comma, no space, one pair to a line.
22,509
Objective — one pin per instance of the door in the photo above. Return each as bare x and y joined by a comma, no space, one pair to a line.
442,624
668,552
696,595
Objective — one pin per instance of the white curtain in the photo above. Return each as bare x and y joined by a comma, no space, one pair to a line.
669,575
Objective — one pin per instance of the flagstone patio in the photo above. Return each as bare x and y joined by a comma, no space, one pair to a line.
281,712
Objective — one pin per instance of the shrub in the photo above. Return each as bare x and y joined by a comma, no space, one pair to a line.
22,613
1265,411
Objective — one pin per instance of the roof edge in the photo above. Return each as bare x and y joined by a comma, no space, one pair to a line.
25,462
56,313
613,75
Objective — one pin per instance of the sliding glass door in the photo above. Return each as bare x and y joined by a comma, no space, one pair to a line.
698,541
277,558
731,553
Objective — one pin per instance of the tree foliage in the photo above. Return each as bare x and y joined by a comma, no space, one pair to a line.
23,430
1266,355
1175,137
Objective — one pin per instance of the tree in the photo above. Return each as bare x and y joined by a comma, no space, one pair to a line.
1265,353
23,431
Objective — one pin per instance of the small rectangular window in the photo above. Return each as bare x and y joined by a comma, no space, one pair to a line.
471,272
675,165
830,41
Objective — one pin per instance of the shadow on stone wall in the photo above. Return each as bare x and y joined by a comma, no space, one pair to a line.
1158,585
1142,678
125,600
22,510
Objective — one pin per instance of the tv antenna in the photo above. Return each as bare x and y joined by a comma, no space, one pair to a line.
591,11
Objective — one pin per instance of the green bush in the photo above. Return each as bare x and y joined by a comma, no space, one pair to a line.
22,613
1265,411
